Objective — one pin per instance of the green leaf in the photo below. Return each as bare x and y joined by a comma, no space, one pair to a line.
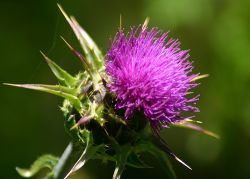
134,160
121,160
69,124
88,153
121,156
58,90
45,161
161,157
63,76
67,160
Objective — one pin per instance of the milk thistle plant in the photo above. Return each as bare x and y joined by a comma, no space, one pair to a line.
115,107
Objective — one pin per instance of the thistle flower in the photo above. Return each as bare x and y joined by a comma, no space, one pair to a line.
145,73
150,73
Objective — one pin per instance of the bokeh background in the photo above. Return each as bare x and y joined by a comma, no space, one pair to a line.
216,31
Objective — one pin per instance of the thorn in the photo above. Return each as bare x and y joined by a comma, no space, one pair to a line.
120,27
78,55
165,147
190,124
194,121
199,77
15,85
63,12
183,163
70,47
145,24
211,134
45,57
7,84
105,131
83,120
74,126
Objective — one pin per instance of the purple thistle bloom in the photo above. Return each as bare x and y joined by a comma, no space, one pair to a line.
151,74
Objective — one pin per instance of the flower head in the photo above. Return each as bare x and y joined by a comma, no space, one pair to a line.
152,74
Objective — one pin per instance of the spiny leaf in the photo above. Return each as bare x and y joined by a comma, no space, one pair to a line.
43,87
191,125
58,90
89,42
89,47
63,76
85,63
45,161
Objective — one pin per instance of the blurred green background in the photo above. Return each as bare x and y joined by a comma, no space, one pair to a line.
216,31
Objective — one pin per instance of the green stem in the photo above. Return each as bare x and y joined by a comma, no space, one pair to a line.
60,170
